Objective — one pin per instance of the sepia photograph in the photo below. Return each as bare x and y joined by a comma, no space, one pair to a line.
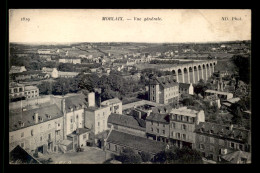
129,86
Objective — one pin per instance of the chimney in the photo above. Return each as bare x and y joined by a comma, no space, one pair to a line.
91,99
36,117
231,126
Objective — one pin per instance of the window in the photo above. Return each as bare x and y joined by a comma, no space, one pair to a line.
173,125
202,146
178,135
157,130
71,120
163,131
15,90
22,134
58,132
212,148
184,127
232,145
115,147
22,144
41,138
49,136
241,147
151,123
184,136
221,142
84,136
32,132
151,129
153,98
211,140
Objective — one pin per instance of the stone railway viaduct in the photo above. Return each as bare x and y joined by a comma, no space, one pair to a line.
192,72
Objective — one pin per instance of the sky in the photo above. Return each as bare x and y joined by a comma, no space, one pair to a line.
86,25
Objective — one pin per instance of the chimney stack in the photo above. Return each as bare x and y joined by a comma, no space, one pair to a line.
91,99
36,115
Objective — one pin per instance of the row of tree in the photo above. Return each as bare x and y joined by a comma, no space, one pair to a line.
174,155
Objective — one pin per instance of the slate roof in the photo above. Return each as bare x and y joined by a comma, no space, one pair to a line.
81,131
135,142
164,81
27,116
111,101
184,85
236,156
162,109
126,121
223,131
163,118
74,101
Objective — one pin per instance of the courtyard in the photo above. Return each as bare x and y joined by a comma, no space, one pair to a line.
90,155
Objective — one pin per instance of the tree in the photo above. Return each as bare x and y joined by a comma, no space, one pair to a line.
184,155
146,157
243,65
187,102
45,88
128,156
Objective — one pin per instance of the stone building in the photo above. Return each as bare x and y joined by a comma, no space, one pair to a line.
182,126
38,129
115,105
127,124
163,90
215,140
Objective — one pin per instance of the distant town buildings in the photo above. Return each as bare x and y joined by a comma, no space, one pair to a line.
70,60
17,69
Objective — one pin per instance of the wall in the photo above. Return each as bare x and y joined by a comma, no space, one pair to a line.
35,101
39,130
189,132
161,127
76,123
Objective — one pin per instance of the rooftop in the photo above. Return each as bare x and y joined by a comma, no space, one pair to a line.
217,92
165,81
184,85
223,131
136,142
185,111
111,101
163,118
235,157
28,88
140,103
127,121
27,116
75,101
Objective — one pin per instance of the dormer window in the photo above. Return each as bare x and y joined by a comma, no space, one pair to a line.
41,119
21,123
48,116
211,131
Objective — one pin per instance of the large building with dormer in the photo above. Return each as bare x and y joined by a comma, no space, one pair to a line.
163,90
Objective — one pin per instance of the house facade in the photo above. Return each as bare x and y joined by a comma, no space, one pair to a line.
163,90
215,140
36,130
182,126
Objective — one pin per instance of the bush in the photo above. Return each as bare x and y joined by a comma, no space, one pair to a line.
146,157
